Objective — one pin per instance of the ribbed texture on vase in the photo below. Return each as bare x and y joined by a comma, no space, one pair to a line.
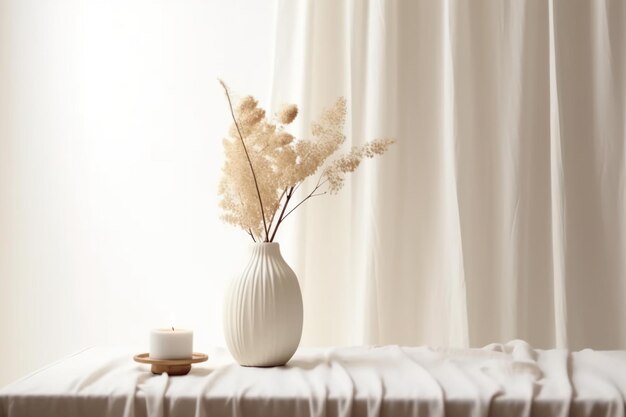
263,310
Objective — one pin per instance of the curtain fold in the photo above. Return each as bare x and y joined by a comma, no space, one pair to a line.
556,196
499,212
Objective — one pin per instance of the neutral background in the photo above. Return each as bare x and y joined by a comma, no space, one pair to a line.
499,213
111,120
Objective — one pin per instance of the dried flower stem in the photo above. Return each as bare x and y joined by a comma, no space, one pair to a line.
290,194
280,218
274,215
256,184
311,194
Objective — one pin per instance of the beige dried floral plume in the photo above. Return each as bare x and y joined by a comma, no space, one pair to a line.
265,165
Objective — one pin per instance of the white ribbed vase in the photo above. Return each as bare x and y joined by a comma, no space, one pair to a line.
263,310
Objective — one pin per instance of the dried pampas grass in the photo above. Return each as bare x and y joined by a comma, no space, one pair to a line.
264,164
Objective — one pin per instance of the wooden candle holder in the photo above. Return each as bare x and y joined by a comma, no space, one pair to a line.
170,366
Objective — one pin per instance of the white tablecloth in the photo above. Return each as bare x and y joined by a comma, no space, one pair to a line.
498,380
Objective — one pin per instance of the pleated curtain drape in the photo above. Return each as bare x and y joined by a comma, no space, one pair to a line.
500,211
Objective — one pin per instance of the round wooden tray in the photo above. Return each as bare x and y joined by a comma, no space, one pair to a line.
171,366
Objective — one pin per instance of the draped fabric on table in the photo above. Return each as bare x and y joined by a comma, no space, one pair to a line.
500,212
511,380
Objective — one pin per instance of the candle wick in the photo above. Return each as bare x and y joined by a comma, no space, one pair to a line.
172,328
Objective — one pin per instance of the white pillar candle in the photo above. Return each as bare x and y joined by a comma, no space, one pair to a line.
171,344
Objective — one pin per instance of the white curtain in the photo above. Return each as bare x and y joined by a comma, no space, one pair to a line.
500,212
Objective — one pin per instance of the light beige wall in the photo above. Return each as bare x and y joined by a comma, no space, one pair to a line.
110,125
